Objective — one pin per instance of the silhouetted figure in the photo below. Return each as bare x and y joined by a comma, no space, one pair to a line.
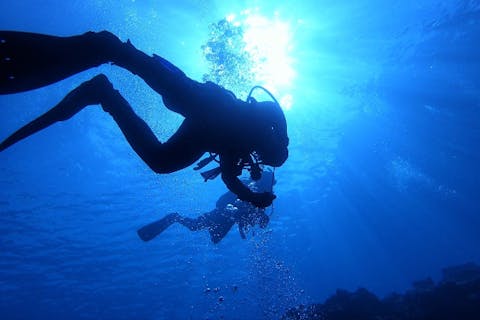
242,133
228,211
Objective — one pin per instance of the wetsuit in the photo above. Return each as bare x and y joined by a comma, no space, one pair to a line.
215,120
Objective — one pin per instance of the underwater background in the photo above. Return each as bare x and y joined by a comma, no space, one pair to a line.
381,188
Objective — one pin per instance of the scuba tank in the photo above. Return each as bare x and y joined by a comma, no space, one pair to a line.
253,164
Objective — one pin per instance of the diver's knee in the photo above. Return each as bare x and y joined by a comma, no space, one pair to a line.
161,163
161,169
91,92
160,159
105,93
101,83
99,88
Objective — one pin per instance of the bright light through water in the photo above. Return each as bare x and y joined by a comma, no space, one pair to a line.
268,43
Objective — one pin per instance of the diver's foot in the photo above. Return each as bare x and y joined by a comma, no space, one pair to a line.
95,91
91,92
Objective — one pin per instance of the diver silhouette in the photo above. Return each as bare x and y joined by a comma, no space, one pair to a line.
228,211
244,134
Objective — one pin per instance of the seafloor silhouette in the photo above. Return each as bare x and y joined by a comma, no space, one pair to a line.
455,297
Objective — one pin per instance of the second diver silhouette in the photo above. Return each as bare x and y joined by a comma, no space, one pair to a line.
219,221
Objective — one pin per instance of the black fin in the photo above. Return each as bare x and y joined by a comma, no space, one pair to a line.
151,230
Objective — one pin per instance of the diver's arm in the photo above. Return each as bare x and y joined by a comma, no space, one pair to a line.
230,171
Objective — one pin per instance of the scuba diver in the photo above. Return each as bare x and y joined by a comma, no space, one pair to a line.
243,134
228,211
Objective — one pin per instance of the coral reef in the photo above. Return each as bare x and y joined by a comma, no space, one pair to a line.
456,296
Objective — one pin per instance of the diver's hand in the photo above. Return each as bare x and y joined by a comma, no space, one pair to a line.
262,199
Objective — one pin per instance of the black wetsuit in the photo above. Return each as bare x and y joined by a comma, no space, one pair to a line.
215,120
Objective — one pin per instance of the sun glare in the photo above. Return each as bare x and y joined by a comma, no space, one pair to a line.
268,42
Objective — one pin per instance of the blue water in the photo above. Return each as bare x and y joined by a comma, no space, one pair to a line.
381,187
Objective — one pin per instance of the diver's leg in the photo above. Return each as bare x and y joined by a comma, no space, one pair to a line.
151,230
161,75
214,221
183,148
180,151
180,93
192,224
31,60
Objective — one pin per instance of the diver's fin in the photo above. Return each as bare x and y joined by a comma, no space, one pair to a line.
151,230
80,97
31,60
27,130
42,122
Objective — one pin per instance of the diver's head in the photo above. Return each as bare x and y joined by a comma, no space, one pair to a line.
272,146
